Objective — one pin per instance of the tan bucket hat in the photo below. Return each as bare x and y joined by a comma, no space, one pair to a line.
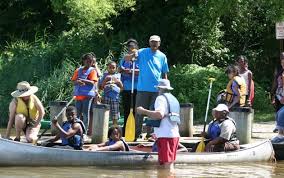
24,89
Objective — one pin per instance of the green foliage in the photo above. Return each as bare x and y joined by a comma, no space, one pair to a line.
190,83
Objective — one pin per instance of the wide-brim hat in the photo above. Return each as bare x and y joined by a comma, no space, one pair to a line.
221,107
24,89
164,84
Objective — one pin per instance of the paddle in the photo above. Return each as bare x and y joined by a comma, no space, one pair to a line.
130,123
55,118
201,145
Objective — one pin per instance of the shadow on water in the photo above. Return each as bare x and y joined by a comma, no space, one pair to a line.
208,170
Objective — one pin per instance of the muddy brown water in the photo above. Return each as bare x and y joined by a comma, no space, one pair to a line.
213,170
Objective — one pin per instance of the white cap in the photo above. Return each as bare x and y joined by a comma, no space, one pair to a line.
221,107
155,38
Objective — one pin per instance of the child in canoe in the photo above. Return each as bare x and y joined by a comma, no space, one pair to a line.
114,143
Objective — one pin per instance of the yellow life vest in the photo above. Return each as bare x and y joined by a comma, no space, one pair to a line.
230,94
30,111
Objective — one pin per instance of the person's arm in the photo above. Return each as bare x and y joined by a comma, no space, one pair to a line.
181,148
117,146
249,87
71,132
216,141
237,97
40,109
118,82
12,113
158,113
152,114
54,139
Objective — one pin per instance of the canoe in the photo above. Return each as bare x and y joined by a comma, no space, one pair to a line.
279,151
23,154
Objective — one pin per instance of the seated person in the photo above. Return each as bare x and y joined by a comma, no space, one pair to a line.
115,142
221,132
71,132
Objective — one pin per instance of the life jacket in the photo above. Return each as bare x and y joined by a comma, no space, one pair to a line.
214,129
230,94
85,90
111,90
174,107
75,141
112,142
128,65
29,111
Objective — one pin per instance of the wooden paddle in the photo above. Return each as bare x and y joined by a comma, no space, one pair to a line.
130,123
55,118
201,145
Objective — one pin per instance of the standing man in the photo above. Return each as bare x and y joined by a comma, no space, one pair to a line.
125,68
153,66
167,110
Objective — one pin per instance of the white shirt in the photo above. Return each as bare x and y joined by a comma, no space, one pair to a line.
167,128
227,129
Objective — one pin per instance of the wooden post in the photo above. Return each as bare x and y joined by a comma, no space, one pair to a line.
100,123
186,120
55,107
243,116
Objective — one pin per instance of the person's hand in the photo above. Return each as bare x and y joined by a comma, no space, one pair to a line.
80,82
249,103
282,100
140,110
126,71
54,122
273,102
203,134
209,147
93,148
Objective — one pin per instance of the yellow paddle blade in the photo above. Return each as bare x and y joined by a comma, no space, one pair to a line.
130,128
201,146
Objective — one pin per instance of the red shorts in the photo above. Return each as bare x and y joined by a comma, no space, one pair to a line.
167,149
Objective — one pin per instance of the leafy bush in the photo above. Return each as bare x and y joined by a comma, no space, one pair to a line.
190,83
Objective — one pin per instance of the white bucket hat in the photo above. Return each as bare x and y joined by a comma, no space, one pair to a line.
164,84
24,89
221,107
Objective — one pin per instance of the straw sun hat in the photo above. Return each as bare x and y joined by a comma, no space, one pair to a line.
24,89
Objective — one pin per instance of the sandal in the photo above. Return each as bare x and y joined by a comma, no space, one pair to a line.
17,139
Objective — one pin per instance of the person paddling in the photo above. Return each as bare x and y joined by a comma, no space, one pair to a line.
26,111
114,143
71,132
221,132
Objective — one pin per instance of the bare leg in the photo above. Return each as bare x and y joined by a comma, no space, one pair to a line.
31,133
20,124
12,111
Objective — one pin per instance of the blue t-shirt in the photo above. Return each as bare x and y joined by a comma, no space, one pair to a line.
111,90
127,78
151,66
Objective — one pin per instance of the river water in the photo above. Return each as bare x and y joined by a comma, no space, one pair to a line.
212,170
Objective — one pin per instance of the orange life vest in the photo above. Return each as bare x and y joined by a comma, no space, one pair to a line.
230,94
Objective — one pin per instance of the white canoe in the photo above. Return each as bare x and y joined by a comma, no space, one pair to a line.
23,154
